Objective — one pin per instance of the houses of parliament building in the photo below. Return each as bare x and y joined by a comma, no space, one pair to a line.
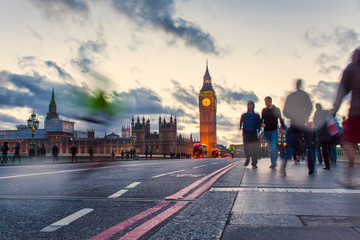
62,134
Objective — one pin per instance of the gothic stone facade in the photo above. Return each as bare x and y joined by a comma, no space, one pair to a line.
165,142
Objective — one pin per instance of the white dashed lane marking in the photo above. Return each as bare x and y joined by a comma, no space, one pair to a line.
164,174
66,221
118,193
200,166
134,184
122,191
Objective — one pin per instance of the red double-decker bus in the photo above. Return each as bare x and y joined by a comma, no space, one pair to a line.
199,150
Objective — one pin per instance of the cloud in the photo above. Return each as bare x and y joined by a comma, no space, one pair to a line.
160,14
62,73
347,39
60,9
344,38
316,38
324,91
34,92
341,39
186,97
222,120
231,95
11,119
89,51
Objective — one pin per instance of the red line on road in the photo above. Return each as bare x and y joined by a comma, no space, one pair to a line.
180,194
208,184
147,226
150,224
117,228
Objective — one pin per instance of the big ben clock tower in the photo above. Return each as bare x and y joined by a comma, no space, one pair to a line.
207,109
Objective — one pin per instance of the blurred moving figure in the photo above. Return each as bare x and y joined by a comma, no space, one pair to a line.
350,83
322,134
55,153
298,108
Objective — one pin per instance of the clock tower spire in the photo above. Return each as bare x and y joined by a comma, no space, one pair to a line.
207,109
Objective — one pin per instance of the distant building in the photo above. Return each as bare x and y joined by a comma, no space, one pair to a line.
207,110
61,133
166,141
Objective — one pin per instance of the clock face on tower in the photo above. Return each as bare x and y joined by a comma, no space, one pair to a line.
206,102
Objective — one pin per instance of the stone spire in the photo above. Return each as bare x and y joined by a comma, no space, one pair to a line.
52,108
207,86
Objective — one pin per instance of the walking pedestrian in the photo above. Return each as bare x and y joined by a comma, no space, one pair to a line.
322,135
113,155
269,122
298,108
55,153
42,152
91,153
73,151
350,83
122,154
250,124
4,149
17,152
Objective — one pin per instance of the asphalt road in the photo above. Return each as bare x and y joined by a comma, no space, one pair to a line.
113,200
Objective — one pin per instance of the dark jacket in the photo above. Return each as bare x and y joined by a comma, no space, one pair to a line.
250,123
320,125
270,117
298,108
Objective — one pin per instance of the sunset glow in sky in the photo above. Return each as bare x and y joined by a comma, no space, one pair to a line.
150,56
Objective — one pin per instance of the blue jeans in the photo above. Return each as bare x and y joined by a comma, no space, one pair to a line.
271,138
292,139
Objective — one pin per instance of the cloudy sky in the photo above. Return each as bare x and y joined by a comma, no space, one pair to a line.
150,56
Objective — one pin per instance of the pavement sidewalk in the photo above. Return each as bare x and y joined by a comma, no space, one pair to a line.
257,203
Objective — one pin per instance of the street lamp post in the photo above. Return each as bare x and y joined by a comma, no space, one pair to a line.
33,124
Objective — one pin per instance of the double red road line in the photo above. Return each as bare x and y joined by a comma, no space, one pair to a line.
153,222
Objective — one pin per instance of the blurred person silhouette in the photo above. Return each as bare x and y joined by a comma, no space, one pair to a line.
298,108
42,152
4,149
322,135
17,152
55,153
269,122
31,154
113,155
350,83
250,124
73,151
91,152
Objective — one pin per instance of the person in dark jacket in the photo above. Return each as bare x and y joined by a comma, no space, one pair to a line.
250,124
55,153
322,135
91,153
298,108
17,152
4,149
269,121
73,150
